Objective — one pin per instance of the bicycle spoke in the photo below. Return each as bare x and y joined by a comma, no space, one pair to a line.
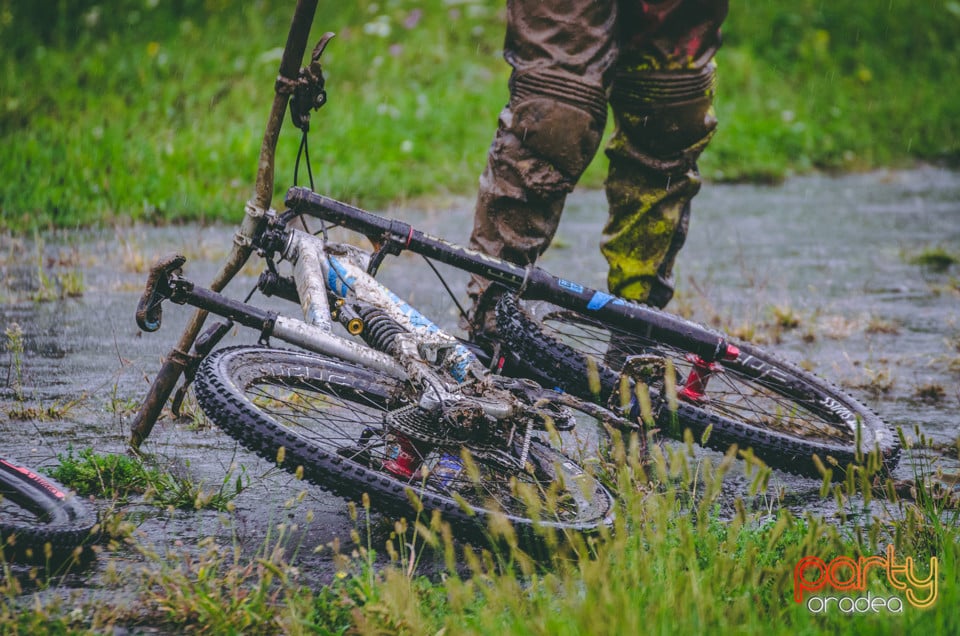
730,392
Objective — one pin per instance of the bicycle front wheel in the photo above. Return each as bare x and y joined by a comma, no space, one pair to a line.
785,414
332,419
40,521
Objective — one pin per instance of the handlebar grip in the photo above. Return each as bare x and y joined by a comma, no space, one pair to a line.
306,201
149,309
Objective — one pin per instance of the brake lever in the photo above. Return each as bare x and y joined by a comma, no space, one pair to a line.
158,289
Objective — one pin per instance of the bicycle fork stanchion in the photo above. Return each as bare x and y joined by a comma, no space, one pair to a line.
695,387
179,358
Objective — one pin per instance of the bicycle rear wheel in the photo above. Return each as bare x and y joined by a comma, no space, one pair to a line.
785,414
40,521
331,418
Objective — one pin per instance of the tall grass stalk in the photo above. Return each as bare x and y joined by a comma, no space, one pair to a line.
682,557
676,563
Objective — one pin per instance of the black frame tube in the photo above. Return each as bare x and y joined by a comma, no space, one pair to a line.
537,283
187,293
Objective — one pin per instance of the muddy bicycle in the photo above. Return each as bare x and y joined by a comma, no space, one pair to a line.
401,406
377,399
598,347
395,404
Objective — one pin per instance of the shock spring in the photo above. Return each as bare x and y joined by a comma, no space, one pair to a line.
379,330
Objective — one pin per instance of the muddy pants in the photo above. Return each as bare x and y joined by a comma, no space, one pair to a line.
652,62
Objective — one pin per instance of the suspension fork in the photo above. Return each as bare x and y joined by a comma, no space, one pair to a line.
695,387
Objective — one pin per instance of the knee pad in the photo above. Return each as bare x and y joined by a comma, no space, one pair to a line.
558,121
664,118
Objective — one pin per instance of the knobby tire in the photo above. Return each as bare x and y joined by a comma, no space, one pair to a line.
328,417
41,522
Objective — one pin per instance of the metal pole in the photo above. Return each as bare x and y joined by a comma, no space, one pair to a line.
178,358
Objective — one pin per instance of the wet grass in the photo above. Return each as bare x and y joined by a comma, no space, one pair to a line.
931,392
14,345
935,259
23,411
23,407
154,111
881,325
54,276
674,544
875,379
122,477
222,591
207,106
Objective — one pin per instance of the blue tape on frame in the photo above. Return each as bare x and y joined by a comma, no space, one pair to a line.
599,300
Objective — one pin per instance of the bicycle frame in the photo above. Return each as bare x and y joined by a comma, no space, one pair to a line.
531,282
342,269
424,342
317,266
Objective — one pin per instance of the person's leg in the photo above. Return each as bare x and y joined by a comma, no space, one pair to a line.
562,55
662,100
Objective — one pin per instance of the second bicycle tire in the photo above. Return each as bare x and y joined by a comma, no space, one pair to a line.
785,414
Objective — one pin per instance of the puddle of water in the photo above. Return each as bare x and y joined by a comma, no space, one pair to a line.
834,252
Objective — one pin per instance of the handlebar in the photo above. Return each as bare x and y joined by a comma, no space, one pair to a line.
150,309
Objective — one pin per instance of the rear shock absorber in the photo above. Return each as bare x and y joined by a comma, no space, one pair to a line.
403,454
379,330
349,318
